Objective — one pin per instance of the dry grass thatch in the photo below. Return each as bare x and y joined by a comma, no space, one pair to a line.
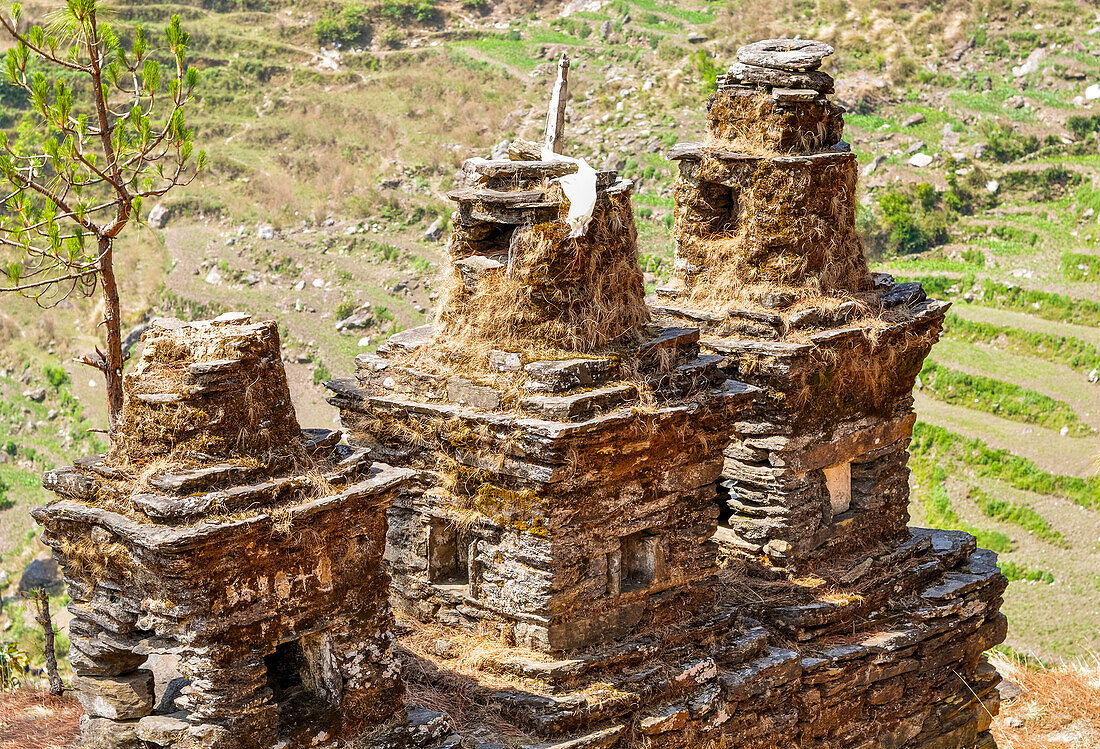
871,374
456,672
171,416
576,294
757,125
790,227
1057,708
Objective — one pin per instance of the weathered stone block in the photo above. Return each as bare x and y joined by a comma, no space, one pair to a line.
123,697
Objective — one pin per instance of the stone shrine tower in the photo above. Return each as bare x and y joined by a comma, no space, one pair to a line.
570,451
240,552
890,621
770,267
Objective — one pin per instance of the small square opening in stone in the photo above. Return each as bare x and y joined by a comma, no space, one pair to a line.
448,554
640,560
303,681
734,209
492,240
838,478
284,671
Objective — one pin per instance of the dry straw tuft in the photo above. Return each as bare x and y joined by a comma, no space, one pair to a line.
576,294
759,126
1057,707
790,229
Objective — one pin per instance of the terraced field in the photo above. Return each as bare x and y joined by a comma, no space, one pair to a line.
329,166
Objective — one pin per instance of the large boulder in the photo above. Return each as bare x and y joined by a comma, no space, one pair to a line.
44,574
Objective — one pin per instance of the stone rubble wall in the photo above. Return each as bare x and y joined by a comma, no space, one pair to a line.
553,516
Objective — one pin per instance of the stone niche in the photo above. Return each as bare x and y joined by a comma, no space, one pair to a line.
224,564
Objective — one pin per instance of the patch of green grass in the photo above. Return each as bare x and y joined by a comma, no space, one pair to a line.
869,123
992,103
1004,399
514,53
1049,98
931,493
930,441
676,11
1021,572
1044,304
1079,267
345,308
1009,512
907,265
320,372
1057,349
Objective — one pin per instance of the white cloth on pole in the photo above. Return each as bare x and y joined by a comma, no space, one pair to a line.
580,188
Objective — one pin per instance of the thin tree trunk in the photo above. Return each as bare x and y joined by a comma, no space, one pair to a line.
112,365
42,603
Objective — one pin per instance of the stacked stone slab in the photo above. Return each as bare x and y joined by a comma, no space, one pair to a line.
889,622
232,552
569,482
890,641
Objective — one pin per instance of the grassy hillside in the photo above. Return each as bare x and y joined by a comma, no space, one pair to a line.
335,128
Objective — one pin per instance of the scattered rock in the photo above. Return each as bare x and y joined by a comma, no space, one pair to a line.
505,361
461,390
1031,64
992,186
265,231
131,339
116,697
435,231
162,730
875,163
499,151
950,137
785,54
361,318
1092,93
158,217
582,6
37,394
42,574
913,119
920,160
213,277
1008,690
605,29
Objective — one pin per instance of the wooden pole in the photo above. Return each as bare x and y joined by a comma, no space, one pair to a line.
555,116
